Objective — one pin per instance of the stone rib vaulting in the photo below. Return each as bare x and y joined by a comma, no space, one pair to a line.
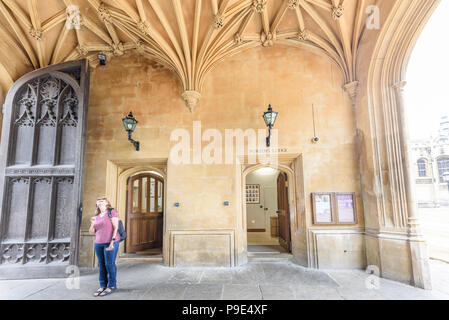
331,68
187,36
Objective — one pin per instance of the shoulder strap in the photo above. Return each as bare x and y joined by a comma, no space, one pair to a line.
109,213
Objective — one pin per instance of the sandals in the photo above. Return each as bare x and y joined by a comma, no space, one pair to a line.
98,292
105,293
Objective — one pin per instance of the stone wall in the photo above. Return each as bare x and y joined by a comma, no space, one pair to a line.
235,95
2,100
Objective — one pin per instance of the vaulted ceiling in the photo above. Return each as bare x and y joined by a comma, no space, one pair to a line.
187,36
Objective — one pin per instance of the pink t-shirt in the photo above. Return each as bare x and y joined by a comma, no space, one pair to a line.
104,228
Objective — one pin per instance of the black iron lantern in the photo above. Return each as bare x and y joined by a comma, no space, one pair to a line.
130,123
102,58
270,118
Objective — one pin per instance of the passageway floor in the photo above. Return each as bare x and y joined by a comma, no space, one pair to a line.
283,280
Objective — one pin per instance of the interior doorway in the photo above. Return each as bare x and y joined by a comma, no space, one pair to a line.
267,211
145,211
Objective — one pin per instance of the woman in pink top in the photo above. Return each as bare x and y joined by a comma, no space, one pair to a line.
107,242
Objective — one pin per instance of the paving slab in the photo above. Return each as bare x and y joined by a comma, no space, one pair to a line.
20,289
186,276
204,292
215,275
277,292
308,292
165,291
248,274
241,292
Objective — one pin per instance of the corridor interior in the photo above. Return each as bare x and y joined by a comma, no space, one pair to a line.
262,210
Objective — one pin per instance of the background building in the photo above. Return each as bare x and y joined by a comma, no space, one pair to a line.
430,161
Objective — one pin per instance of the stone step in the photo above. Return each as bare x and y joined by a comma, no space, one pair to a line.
140,258
268,256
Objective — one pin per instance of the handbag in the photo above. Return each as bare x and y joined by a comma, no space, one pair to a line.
121,229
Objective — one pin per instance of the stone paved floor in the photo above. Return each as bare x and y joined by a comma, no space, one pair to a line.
435,227
255,281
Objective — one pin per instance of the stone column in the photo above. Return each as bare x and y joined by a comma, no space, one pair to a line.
412,218
418,247
435,180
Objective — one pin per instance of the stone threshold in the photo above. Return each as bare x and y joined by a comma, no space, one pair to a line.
139,258
268,256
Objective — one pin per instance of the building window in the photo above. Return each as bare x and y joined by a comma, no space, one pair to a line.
422,168
443,166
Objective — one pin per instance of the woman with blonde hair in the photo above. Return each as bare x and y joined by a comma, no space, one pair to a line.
104,226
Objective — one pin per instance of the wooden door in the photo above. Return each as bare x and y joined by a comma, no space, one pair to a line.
145,209
41,171
283,212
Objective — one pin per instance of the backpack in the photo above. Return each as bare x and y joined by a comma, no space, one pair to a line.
121,229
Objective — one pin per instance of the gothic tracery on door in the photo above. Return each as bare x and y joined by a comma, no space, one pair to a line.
144,212
42,173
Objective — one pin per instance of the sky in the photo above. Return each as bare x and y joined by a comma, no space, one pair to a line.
427,89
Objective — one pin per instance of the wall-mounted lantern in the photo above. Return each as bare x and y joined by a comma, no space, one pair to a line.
270,118
130,124
102,58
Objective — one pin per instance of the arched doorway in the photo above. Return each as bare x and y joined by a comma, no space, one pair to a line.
269,206
41,171
145,211
390,209
428,140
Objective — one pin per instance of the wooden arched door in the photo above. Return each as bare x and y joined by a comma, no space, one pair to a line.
283,212
145,210
42,171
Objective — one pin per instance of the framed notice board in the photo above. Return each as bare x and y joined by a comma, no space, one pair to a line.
252,193
330,208
323,212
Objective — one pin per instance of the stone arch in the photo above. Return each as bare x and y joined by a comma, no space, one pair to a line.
387,184
291,197
120,198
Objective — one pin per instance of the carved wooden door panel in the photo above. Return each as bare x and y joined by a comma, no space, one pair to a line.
283,213
144,218
41,171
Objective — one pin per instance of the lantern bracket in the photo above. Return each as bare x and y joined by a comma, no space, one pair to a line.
135,143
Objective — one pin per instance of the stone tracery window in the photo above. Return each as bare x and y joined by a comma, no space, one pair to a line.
422,168
443,166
